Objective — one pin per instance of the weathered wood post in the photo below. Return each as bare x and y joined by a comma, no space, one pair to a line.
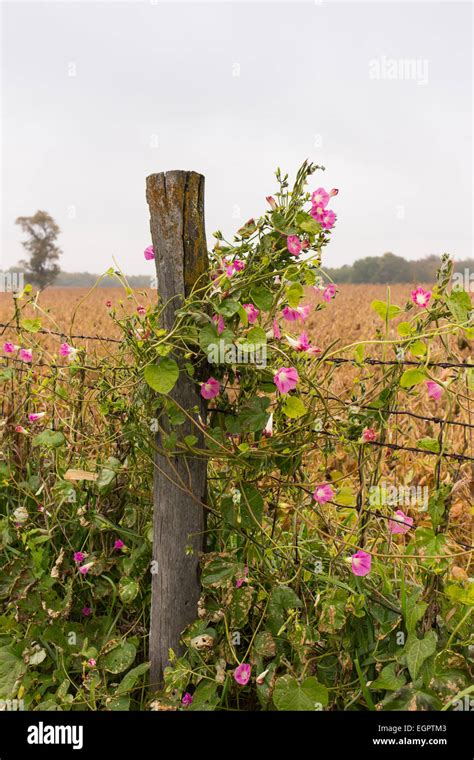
176,203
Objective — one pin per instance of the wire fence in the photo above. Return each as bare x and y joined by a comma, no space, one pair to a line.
102,338
441,454
26,367
332,360
413,449
396,362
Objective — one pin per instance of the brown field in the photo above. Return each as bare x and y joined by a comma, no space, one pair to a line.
349,318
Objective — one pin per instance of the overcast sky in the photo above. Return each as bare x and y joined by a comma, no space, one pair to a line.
98,95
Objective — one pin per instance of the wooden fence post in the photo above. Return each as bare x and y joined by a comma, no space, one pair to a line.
176,203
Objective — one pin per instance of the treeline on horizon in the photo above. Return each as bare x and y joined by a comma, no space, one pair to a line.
388,268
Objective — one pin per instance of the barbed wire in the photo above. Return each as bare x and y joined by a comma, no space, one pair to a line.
395,362
71,337
405,412
401,412
27,367
399,447
32,366
334,360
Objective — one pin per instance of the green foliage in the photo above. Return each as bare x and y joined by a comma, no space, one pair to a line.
162,377
280,594
385,310
288,694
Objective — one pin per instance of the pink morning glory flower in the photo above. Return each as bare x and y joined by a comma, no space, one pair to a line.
403,526
242,674
149,253
65,349
240,581
108,304
86,611
252,312
329,292
361,563
286,379
292,315
84,569
20,429
211,388
92,662
141,311
35,416
369,434
317,212
303,344
235,266
219,320
323,493
421,297
276,330
26,355
300,344
119,544
320,197
329,219
435,391
9,348
79,556
187,699
293,243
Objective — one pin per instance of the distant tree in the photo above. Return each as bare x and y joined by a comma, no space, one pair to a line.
393,268
366,269
424,270
340,275
41,268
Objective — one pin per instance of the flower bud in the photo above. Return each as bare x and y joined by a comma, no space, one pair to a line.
261,678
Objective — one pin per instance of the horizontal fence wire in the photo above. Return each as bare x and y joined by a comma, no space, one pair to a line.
65,335
405,412
390,446
32,365
399,447
395,362
333,360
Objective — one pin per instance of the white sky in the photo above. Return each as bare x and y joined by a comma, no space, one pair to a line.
80,147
